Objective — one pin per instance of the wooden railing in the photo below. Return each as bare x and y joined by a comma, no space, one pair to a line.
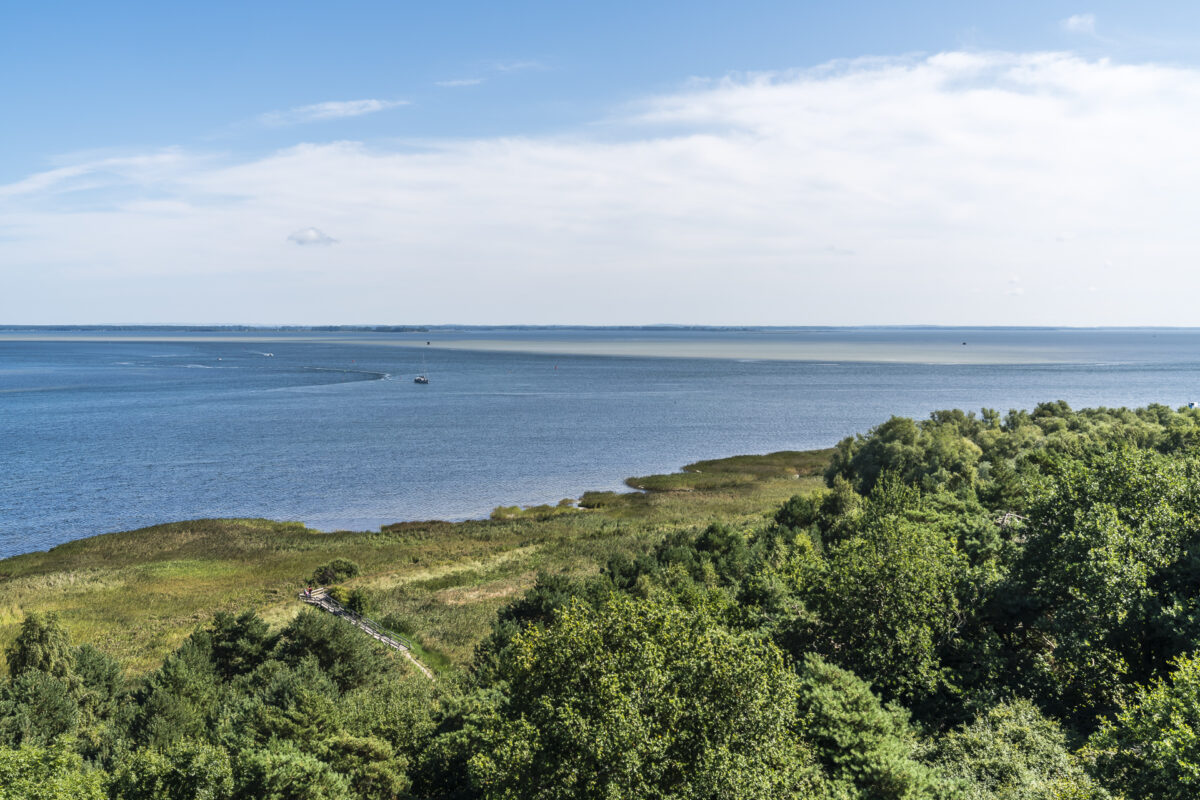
320,598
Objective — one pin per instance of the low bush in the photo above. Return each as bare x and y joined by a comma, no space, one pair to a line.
335,571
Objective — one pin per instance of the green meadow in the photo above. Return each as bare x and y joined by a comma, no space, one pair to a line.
137,595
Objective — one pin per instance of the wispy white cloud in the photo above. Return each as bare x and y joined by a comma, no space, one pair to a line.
319,112
944,175
516,66
1080,23
457,82
146,169
495,66
311,236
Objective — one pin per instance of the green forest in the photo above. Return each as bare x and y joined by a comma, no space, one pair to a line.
975,605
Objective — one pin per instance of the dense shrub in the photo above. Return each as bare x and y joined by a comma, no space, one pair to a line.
1152,747
335,571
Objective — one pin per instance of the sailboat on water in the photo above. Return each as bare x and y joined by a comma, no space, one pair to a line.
424,376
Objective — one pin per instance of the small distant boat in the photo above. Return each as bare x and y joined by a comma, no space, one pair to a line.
423,377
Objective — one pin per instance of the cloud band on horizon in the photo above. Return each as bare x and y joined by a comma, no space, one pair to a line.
733,200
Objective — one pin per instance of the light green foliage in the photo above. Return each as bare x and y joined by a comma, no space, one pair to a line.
639,700
1152,748
939,454
993,457
370,765
864,746
283,771
1012,752
48,773
399,712
185,770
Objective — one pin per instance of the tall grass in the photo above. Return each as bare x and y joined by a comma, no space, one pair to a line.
138,594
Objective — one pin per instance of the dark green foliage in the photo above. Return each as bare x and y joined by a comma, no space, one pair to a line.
103,683
825,517
320,714
335,571
283,701
1010,584
549,594
342,652
179,700
1110,537
798,513
238,644
42,645
356,602
36,708
55,690
886,600
718,555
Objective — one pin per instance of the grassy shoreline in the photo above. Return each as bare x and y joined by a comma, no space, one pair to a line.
137,594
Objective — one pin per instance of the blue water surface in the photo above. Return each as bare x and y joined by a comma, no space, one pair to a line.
103,431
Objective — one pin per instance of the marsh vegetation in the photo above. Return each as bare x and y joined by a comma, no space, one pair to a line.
968,606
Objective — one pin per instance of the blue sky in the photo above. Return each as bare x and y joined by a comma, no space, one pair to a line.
477,162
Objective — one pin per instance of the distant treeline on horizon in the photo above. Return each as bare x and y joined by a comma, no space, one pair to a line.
653,327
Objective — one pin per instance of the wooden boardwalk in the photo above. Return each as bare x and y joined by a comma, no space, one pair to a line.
321,599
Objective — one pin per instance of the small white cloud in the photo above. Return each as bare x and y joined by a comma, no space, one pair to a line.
1016,291
310,235
1093,289
517,66
1064,236
1080,23
457,82
318,112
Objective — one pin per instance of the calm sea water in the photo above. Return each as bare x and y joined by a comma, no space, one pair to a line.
110,431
